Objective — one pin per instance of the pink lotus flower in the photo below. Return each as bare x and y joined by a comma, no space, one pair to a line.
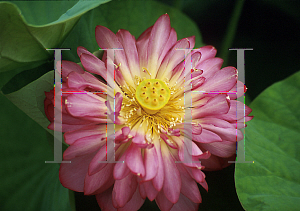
148,117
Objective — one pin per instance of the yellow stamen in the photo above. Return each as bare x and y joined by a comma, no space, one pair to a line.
145,70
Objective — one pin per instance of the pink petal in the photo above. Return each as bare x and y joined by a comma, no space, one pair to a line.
198,175
221,149
78,81
196,153
192,40
215,121
64,85
70,120
169,142
172,182
67,67
236,111
192,148
139,140
178,74
83,146
130,49
189,187
142,45
222,81
121,170
151,192
134,160
215,163
50,95
81,105
207,52
162,202
207,137
196,56
95,82
71,137
142,190
168,45
158,180
49,109
226,133
119,100
200,100
99,182
195,160
93,65
98,162
174,132
114,112
124,189
173,58
145,34
151,163
106,39
81,50
204,185
185,204
215,106
105,201
241,123
197,129
210,66
107,154
158,38
197,82
122,136
71,175
190,128
68,128
239,88
134,204
126,131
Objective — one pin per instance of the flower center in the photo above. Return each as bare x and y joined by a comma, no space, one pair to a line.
152,95
150,115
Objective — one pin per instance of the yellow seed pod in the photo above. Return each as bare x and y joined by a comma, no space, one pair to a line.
154,91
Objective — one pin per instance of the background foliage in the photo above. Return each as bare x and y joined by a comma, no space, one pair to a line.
271,138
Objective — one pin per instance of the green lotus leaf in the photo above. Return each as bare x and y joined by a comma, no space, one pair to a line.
27,182
272,182
22,43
